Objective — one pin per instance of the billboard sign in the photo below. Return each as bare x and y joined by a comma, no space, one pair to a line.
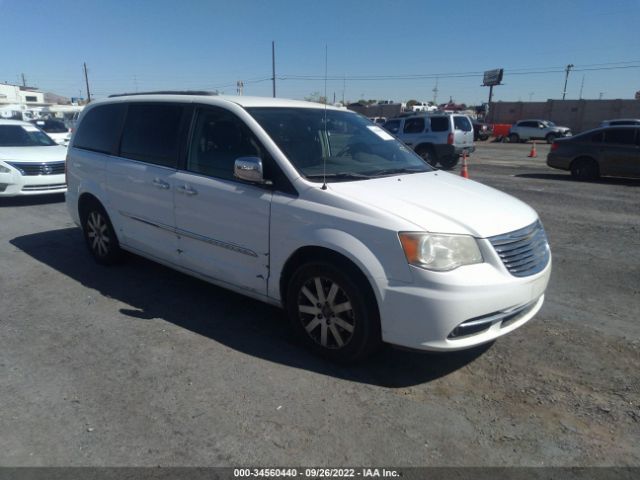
493,77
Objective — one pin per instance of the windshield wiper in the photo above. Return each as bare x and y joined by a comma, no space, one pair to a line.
339,176
395,171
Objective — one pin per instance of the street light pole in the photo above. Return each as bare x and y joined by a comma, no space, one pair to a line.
566,77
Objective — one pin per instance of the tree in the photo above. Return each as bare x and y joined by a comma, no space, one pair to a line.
411,103
316,97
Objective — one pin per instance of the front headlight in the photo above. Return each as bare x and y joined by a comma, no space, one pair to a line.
440,252
4,169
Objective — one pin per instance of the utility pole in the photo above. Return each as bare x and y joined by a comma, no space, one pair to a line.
273,66
435,93
581,86
239,87
24,81
566,77
86,79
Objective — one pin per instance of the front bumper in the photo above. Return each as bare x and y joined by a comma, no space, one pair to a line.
429,313
14,184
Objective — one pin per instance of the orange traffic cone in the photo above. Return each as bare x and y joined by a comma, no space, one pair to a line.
533,153
464,172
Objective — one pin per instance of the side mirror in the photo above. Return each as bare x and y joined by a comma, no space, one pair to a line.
249,169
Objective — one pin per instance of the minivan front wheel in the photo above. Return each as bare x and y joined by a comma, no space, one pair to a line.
331,313
100,236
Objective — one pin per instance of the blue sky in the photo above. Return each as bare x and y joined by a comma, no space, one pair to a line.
146,45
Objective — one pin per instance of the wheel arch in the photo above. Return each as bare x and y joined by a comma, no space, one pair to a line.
332,255
584,157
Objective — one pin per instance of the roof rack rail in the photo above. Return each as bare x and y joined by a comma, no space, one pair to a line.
166,92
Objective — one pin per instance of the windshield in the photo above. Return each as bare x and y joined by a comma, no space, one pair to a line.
549,124
352,146
23,136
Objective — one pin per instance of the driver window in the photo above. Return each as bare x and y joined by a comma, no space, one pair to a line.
219,138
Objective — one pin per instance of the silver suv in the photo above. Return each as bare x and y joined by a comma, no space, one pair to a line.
439,139
537,130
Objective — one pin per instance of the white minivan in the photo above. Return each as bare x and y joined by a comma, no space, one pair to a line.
311,208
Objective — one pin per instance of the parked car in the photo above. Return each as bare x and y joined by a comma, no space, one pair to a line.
423,107
378,120
31,162
55,129
609,151
620,121
310,208
537,130
439,139
481,131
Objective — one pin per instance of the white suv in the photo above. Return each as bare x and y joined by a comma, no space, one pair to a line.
311,208
440,139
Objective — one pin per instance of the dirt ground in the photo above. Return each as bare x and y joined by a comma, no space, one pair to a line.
139,365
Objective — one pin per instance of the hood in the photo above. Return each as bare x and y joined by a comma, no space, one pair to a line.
54,153
440,202
561,129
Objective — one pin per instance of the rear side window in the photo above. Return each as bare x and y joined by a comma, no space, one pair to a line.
620,136
439,124
100,128
392,126
414,125
462,123
151,133
624,122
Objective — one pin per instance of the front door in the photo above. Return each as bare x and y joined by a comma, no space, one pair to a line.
221,222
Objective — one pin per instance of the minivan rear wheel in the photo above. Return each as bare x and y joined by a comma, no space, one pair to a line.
514,138
99,235
331,312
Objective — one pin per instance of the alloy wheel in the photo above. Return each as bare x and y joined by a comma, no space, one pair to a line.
326,313
98,234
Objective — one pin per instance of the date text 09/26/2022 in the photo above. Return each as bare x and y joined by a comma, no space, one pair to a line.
315,472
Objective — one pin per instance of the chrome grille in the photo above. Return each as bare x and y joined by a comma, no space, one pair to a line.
31,169
39,188
524,252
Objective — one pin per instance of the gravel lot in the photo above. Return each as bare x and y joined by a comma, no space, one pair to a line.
139,365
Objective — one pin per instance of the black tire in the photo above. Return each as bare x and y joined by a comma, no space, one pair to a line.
99,235
551,137
514,138
428,155
343,336
448,163
585,169
483,138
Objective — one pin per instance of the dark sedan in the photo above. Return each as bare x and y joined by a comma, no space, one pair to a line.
612,151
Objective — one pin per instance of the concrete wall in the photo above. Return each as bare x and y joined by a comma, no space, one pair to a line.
387,110
579,115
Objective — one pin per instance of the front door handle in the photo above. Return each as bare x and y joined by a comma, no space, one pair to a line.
160,184
187,190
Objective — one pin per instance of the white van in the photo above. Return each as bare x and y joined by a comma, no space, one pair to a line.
311,208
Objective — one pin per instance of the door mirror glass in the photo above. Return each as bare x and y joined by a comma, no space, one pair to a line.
248,169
